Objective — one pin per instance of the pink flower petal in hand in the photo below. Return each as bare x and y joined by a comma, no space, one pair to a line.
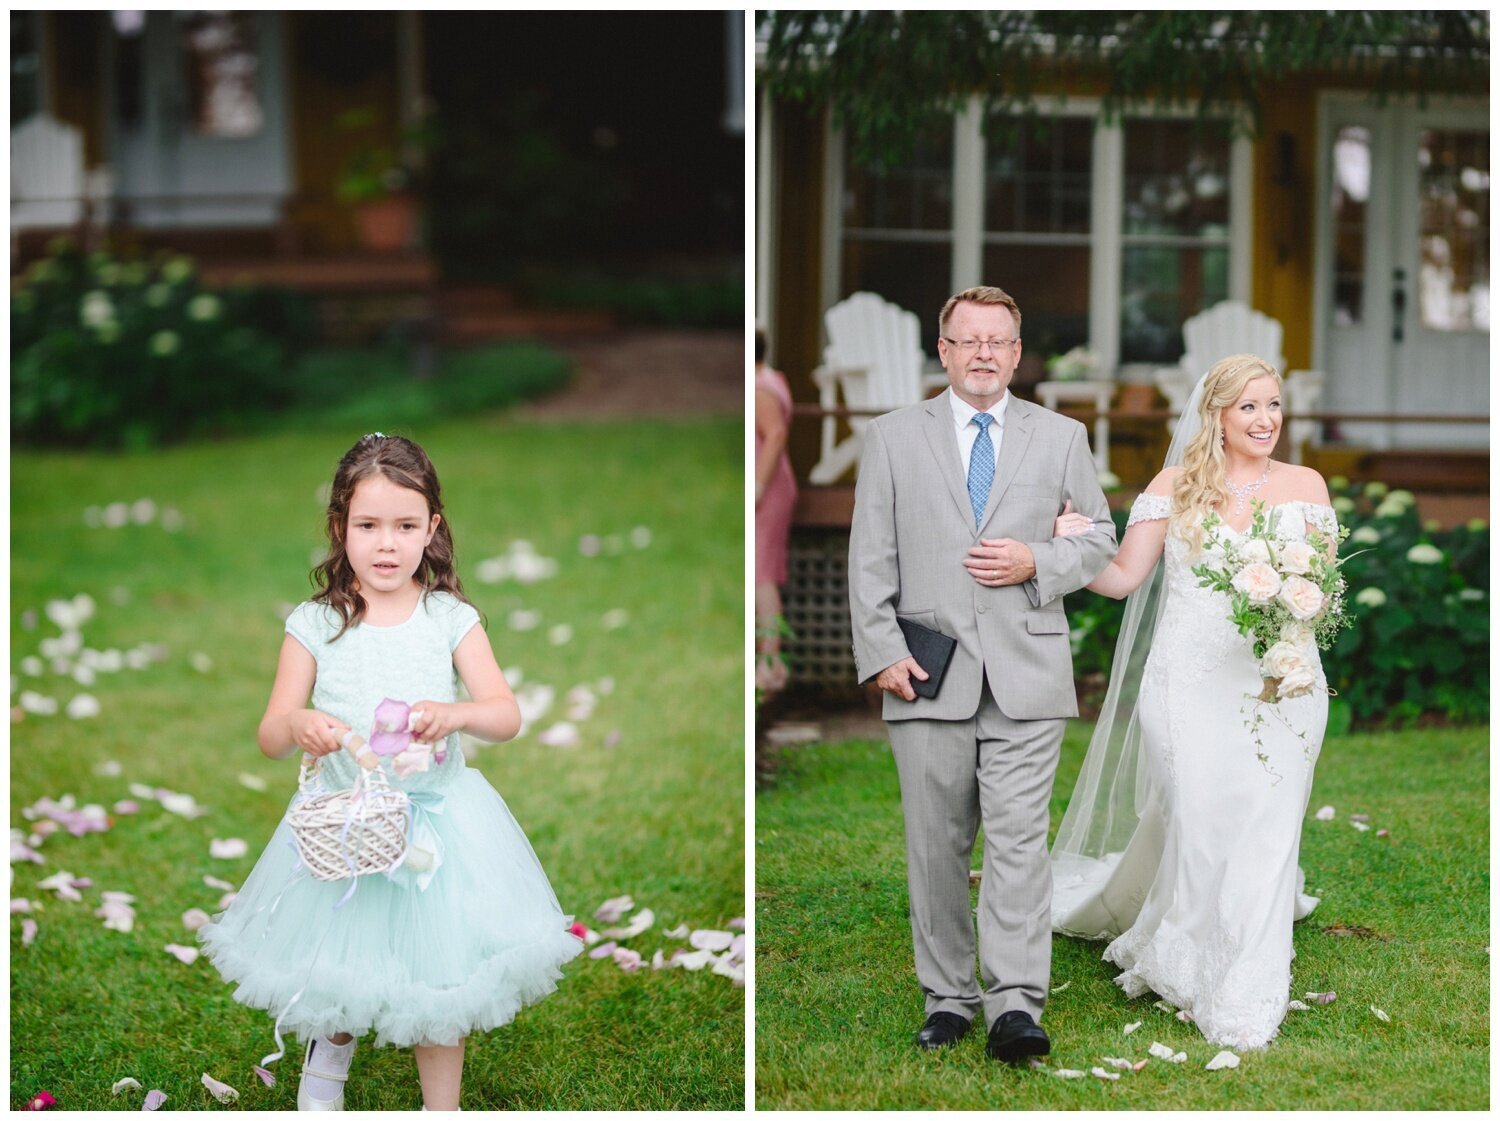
391,734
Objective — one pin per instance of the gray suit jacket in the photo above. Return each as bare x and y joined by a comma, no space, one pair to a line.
913,526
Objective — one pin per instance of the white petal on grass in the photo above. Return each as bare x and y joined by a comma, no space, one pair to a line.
116,514
1118,1064
1107,1075
699,959
682,931
85,706
561,734
1325,813
229,848
613,910
124,1084
640,537
1132,1027
201,662
1380,1015
83,675
716,940
37,704
252,782
588,545
61,882
1162,1051
20,907
1224,1060
1321,998
1185,1016
560,635
524,620
1165,1007
221,1092
32,666
215,882
1064,1072
143,511
605,685
1296,1006
110,768
171,519
639,923
1060,988
185,954
226,899
615,618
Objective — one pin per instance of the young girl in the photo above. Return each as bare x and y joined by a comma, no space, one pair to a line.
471,933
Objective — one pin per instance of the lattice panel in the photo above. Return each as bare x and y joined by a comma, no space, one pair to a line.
815,601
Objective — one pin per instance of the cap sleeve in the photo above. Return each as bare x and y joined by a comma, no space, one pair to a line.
308,624
1322,518
1149,508
457,617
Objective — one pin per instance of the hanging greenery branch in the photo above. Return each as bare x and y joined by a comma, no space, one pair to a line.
886,74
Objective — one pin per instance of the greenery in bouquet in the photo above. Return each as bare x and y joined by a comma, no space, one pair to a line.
1418,648
114,353
1286,595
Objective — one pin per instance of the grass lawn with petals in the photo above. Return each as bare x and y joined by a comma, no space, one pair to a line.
644,520
1403,926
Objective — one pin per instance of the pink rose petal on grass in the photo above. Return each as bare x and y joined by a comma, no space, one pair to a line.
219,1090
185,954
1107,1075
628,960
41,1101
28,931
612,910
1324,814
127,806
231,848
20,906
154,1098
736,924
265,1076
193,918
1321,998
603,950
715,940
639,923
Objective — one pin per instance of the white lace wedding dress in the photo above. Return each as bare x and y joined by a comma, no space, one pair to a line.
1200,904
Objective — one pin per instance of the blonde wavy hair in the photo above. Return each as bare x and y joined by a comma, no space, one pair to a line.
1200,484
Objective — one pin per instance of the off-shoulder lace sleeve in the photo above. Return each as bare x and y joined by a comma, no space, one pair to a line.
1149,508
1321,518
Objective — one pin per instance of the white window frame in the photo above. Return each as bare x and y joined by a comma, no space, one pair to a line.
1107,202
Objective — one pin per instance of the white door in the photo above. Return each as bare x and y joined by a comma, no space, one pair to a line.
1403,269
199,117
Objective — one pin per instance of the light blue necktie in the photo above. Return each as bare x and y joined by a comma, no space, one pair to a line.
981,467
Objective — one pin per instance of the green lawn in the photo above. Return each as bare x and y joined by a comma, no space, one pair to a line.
837,1001
659,815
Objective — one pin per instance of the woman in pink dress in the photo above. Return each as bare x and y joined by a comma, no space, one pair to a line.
775,496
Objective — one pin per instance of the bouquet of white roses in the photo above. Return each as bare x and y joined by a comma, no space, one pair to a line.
1286,595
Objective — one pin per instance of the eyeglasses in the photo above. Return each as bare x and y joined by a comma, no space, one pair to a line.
970,346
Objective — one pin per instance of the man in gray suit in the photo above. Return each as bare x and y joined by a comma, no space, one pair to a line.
953,522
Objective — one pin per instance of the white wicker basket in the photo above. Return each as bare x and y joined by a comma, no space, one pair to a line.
350,832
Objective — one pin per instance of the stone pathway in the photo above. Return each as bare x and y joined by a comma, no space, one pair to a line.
643,372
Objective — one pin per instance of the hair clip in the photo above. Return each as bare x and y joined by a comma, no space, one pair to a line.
373,436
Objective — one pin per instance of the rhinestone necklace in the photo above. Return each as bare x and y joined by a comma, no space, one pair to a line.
1243,493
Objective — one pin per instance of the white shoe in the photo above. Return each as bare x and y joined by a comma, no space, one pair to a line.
324,1060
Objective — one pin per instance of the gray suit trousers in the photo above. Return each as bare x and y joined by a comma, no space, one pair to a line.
955,775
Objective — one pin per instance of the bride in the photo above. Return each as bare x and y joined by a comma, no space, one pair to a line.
1180,844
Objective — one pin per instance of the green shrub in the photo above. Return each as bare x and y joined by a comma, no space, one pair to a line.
1420,601
111,353
711,299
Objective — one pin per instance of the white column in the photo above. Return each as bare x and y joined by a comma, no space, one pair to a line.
1106,219
765,216
968,197
1241,216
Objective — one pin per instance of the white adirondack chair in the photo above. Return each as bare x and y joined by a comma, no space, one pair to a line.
874,357
1233,328
47,183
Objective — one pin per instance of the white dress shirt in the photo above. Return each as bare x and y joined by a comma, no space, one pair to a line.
967,431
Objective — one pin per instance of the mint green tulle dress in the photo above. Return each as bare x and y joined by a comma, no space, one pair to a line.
415,959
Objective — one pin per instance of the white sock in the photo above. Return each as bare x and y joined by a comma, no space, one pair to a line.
330,1057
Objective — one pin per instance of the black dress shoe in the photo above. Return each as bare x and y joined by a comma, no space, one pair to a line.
942,1029
1016,1036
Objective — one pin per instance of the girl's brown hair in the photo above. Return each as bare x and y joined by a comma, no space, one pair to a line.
401,462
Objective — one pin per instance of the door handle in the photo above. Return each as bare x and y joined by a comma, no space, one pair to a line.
1398,306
